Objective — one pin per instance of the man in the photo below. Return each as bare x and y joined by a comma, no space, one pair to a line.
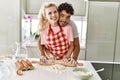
65,12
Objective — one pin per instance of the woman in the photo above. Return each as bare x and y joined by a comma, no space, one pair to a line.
55,41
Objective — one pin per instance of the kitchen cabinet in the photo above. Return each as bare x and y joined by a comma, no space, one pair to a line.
81,55
103,39
33,52
116,68
116,72
117,48
9,25
101,30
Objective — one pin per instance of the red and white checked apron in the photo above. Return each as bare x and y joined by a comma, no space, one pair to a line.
57,43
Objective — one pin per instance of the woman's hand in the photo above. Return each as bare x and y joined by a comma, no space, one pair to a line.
43,59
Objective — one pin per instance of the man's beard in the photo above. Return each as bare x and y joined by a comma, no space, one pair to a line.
62,23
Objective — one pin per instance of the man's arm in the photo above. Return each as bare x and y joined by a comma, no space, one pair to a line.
76,50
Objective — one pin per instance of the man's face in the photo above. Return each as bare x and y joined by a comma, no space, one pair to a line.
64,18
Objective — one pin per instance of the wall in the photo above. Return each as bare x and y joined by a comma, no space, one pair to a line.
9,25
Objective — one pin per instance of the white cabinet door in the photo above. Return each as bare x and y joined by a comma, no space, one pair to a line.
102,22
9,25
33,52
117,51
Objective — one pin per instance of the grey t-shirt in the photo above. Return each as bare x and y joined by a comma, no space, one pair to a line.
74,27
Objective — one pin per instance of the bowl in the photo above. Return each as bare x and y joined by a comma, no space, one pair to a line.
82,73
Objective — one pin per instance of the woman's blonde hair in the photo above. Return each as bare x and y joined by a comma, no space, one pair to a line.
43,22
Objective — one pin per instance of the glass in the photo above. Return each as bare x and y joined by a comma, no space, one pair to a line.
21,51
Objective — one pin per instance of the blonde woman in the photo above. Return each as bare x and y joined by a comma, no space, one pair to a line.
57,39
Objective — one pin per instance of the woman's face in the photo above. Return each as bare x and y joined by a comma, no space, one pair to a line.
52,15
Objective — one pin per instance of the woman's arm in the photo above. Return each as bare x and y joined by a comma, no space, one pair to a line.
41,48
44,52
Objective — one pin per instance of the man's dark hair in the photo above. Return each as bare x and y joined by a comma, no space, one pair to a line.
67,7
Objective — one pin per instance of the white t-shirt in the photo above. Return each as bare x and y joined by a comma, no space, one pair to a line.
74,27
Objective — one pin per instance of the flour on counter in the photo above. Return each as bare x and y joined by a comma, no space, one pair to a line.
57,68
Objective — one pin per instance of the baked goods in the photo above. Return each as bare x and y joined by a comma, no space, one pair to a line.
23,65
19,72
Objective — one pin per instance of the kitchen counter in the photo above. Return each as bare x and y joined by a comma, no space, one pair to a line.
39,73
8,72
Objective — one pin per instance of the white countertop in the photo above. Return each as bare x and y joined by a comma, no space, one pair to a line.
41,74
8,72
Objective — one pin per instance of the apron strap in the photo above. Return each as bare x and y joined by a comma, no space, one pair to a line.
60,28
50,30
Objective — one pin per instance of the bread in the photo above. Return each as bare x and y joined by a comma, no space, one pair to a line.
19,65
19,72
23,65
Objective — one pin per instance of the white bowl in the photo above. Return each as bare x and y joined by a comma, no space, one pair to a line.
82,73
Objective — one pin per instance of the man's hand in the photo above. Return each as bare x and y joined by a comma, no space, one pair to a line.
70,60
51,57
